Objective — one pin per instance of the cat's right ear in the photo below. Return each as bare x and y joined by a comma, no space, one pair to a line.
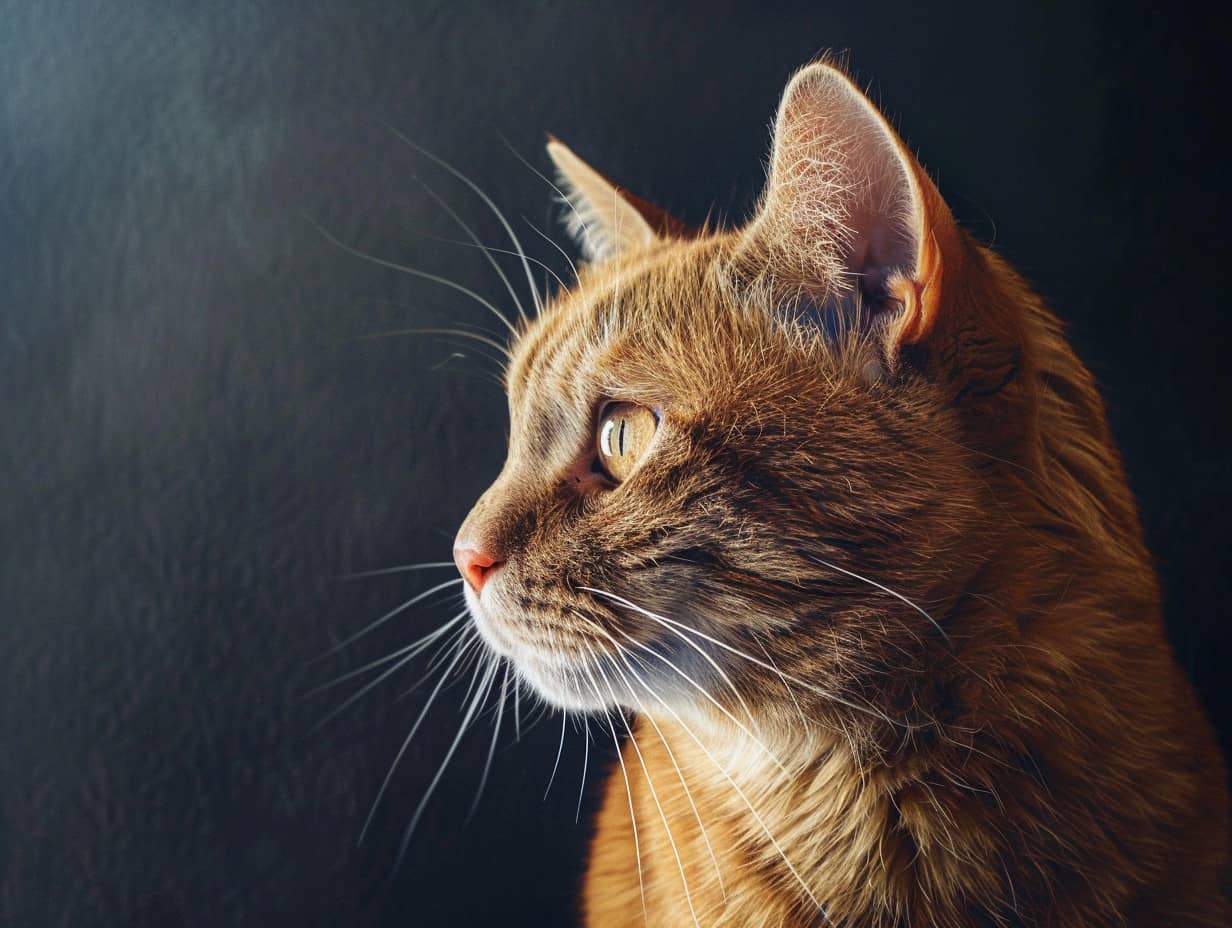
606,220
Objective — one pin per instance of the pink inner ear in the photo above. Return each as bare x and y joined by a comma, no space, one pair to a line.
879,247
840,204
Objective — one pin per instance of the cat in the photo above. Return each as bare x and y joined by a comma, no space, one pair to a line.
829,508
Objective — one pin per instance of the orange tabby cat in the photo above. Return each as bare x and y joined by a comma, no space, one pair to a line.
829,508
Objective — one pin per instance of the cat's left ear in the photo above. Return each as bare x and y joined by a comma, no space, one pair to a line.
849,213
606,220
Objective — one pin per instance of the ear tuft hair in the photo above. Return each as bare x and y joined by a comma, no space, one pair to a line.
600,217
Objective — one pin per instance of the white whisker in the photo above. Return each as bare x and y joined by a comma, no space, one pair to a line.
458,640
475,238
487,201
492,249
414,272
453,333
637,847
671,840
752,811
564,719
701,689
480,695
517,710
547,238
367,688
410,651
621,652
585,227
690,642
875,713
790,692
401,568
885,589
396,611
487,766
577,812
406,743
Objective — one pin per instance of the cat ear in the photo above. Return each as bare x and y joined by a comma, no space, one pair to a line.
848,213
604,219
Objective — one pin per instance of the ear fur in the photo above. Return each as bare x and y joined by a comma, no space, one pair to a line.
848,215
606,220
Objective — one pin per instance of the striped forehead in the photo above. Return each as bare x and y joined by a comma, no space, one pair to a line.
580,320
553,383
561,366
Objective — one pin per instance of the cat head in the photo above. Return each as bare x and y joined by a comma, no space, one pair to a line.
746,467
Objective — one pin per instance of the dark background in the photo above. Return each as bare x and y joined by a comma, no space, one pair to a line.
194,444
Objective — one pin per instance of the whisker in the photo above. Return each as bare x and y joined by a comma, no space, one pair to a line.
410,650
517,711
564,718
496,380
453,333
832,697
653,794
440,771
487,766
696,647
367,688
396,611
475,238
637,847
739,792
701,689
406,743
414,272
487,201
539,711
621,652
884,589
457,640
790,692
551,241
481,663
401,568
585,227
492,249
577,813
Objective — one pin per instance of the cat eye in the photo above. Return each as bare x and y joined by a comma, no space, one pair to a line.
625,432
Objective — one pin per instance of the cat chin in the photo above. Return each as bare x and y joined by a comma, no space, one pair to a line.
556,689
556,680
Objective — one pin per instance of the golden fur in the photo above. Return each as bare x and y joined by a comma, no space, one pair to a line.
877,599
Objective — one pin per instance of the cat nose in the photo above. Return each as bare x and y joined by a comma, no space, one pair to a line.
475,565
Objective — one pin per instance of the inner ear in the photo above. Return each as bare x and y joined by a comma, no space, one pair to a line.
880,244
848,218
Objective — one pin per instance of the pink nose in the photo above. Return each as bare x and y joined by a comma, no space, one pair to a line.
475,566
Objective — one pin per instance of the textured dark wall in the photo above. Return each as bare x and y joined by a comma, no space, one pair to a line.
194,444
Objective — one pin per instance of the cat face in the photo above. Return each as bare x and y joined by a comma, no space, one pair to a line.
725,489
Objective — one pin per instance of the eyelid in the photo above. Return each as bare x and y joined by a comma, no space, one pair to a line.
606,406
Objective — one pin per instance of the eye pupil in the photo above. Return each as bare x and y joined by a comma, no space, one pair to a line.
623,423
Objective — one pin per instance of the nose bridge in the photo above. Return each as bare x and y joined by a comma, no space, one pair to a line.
487,527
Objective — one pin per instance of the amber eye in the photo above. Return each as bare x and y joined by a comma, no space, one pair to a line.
625,432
